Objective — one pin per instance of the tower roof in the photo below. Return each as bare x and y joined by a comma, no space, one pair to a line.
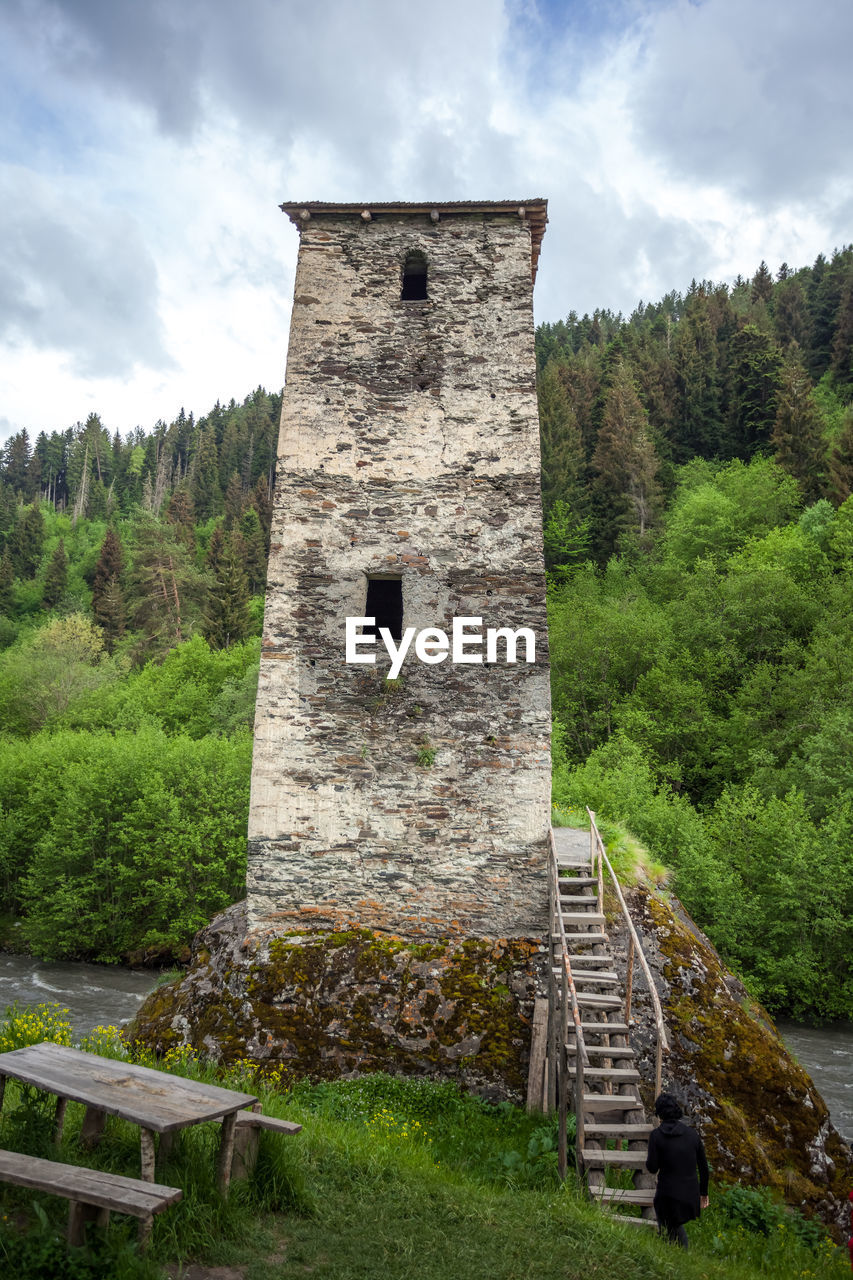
534,212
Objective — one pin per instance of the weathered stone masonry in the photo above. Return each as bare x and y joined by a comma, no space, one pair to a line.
396,906
408,448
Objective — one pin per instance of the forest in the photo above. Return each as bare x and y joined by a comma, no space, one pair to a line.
697,469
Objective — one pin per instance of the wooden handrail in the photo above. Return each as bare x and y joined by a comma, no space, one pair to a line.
635,950
560,1032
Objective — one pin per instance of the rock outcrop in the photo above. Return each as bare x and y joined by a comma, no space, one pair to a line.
328,1004
762,1120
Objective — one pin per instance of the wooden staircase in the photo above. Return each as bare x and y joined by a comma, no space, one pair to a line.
591,1066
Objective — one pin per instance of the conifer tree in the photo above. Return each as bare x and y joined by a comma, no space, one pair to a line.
233,501
841,462
262,503
563,462
26,541
56,577
797,435
180,514
107,595
227,619
204,486
253,550
7,577
626,465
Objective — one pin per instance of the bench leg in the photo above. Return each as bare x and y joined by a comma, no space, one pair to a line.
145,1225
59,1118
164,1148
92,1127
79,1214
146,1155
245,1152
226,1153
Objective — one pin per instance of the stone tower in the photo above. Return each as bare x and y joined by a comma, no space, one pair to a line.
412,810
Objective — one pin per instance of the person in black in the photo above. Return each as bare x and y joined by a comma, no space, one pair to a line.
677,1156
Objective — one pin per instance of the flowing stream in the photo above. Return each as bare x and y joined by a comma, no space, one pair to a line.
94,994
827,1055
99,994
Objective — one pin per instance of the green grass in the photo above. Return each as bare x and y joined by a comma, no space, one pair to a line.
392,1178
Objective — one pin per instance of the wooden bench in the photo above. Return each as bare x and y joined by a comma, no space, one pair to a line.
248,1125
92,1194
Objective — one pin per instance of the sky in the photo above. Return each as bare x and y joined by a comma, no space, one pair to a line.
145,146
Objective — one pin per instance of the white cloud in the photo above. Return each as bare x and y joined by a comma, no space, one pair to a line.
144,263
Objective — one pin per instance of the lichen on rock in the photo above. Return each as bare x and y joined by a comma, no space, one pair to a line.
326,1004
758,1111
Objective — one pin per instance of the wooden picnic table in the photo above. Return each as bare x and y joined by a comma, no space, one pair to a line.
155,1100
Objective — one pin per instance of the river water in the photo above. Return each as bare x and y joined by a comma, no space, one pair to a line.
100,994
94,994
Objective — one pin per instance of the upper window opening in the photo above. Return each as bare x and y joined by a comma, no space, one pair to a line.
414,277
385,604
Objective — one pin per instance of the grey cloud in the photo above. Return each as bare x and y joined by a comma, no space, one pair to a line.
77,279
353,75
755,97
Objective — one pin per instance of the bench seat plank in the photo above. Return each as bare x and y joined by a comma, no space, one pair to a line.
256,1120
89,1186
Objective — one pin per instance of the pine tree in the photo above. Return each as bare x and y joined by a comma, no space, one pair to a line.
762,284
754,381
626,487
563,462
166,590
215,551
262,503
180,514
841,462
7,577
797,432
111,616
204,484
254,550
227,620
26,541
233,501
56,577
842,346
107,595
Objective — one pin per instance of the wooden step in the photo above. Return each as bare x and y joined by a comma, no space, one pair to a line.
630,1222
620,1159
578,899
603,1028
582,917
588,961
632,1132
575,881
610,1102
645,1197
603,1050
586,939
619,1075
592,975
593,1000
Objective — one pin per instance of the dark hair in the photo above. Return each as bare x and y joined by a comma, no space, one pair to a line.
667,1108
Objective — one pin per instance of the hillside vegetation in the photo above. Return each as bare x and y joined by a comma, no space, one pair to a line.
697,464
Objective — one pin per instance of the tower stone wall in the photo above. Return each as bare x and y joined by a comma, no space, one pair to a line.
409,449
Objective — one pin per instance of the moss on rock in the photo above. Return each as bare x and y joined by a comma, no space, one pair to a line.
330,1003
761,1117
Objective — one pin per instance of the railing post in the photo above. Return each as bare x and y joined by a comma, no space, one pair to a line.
629,980
658,1067
579,1131
562,1142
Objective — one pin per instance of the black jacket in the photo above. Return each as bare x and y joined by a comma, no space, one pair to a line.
677,1156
